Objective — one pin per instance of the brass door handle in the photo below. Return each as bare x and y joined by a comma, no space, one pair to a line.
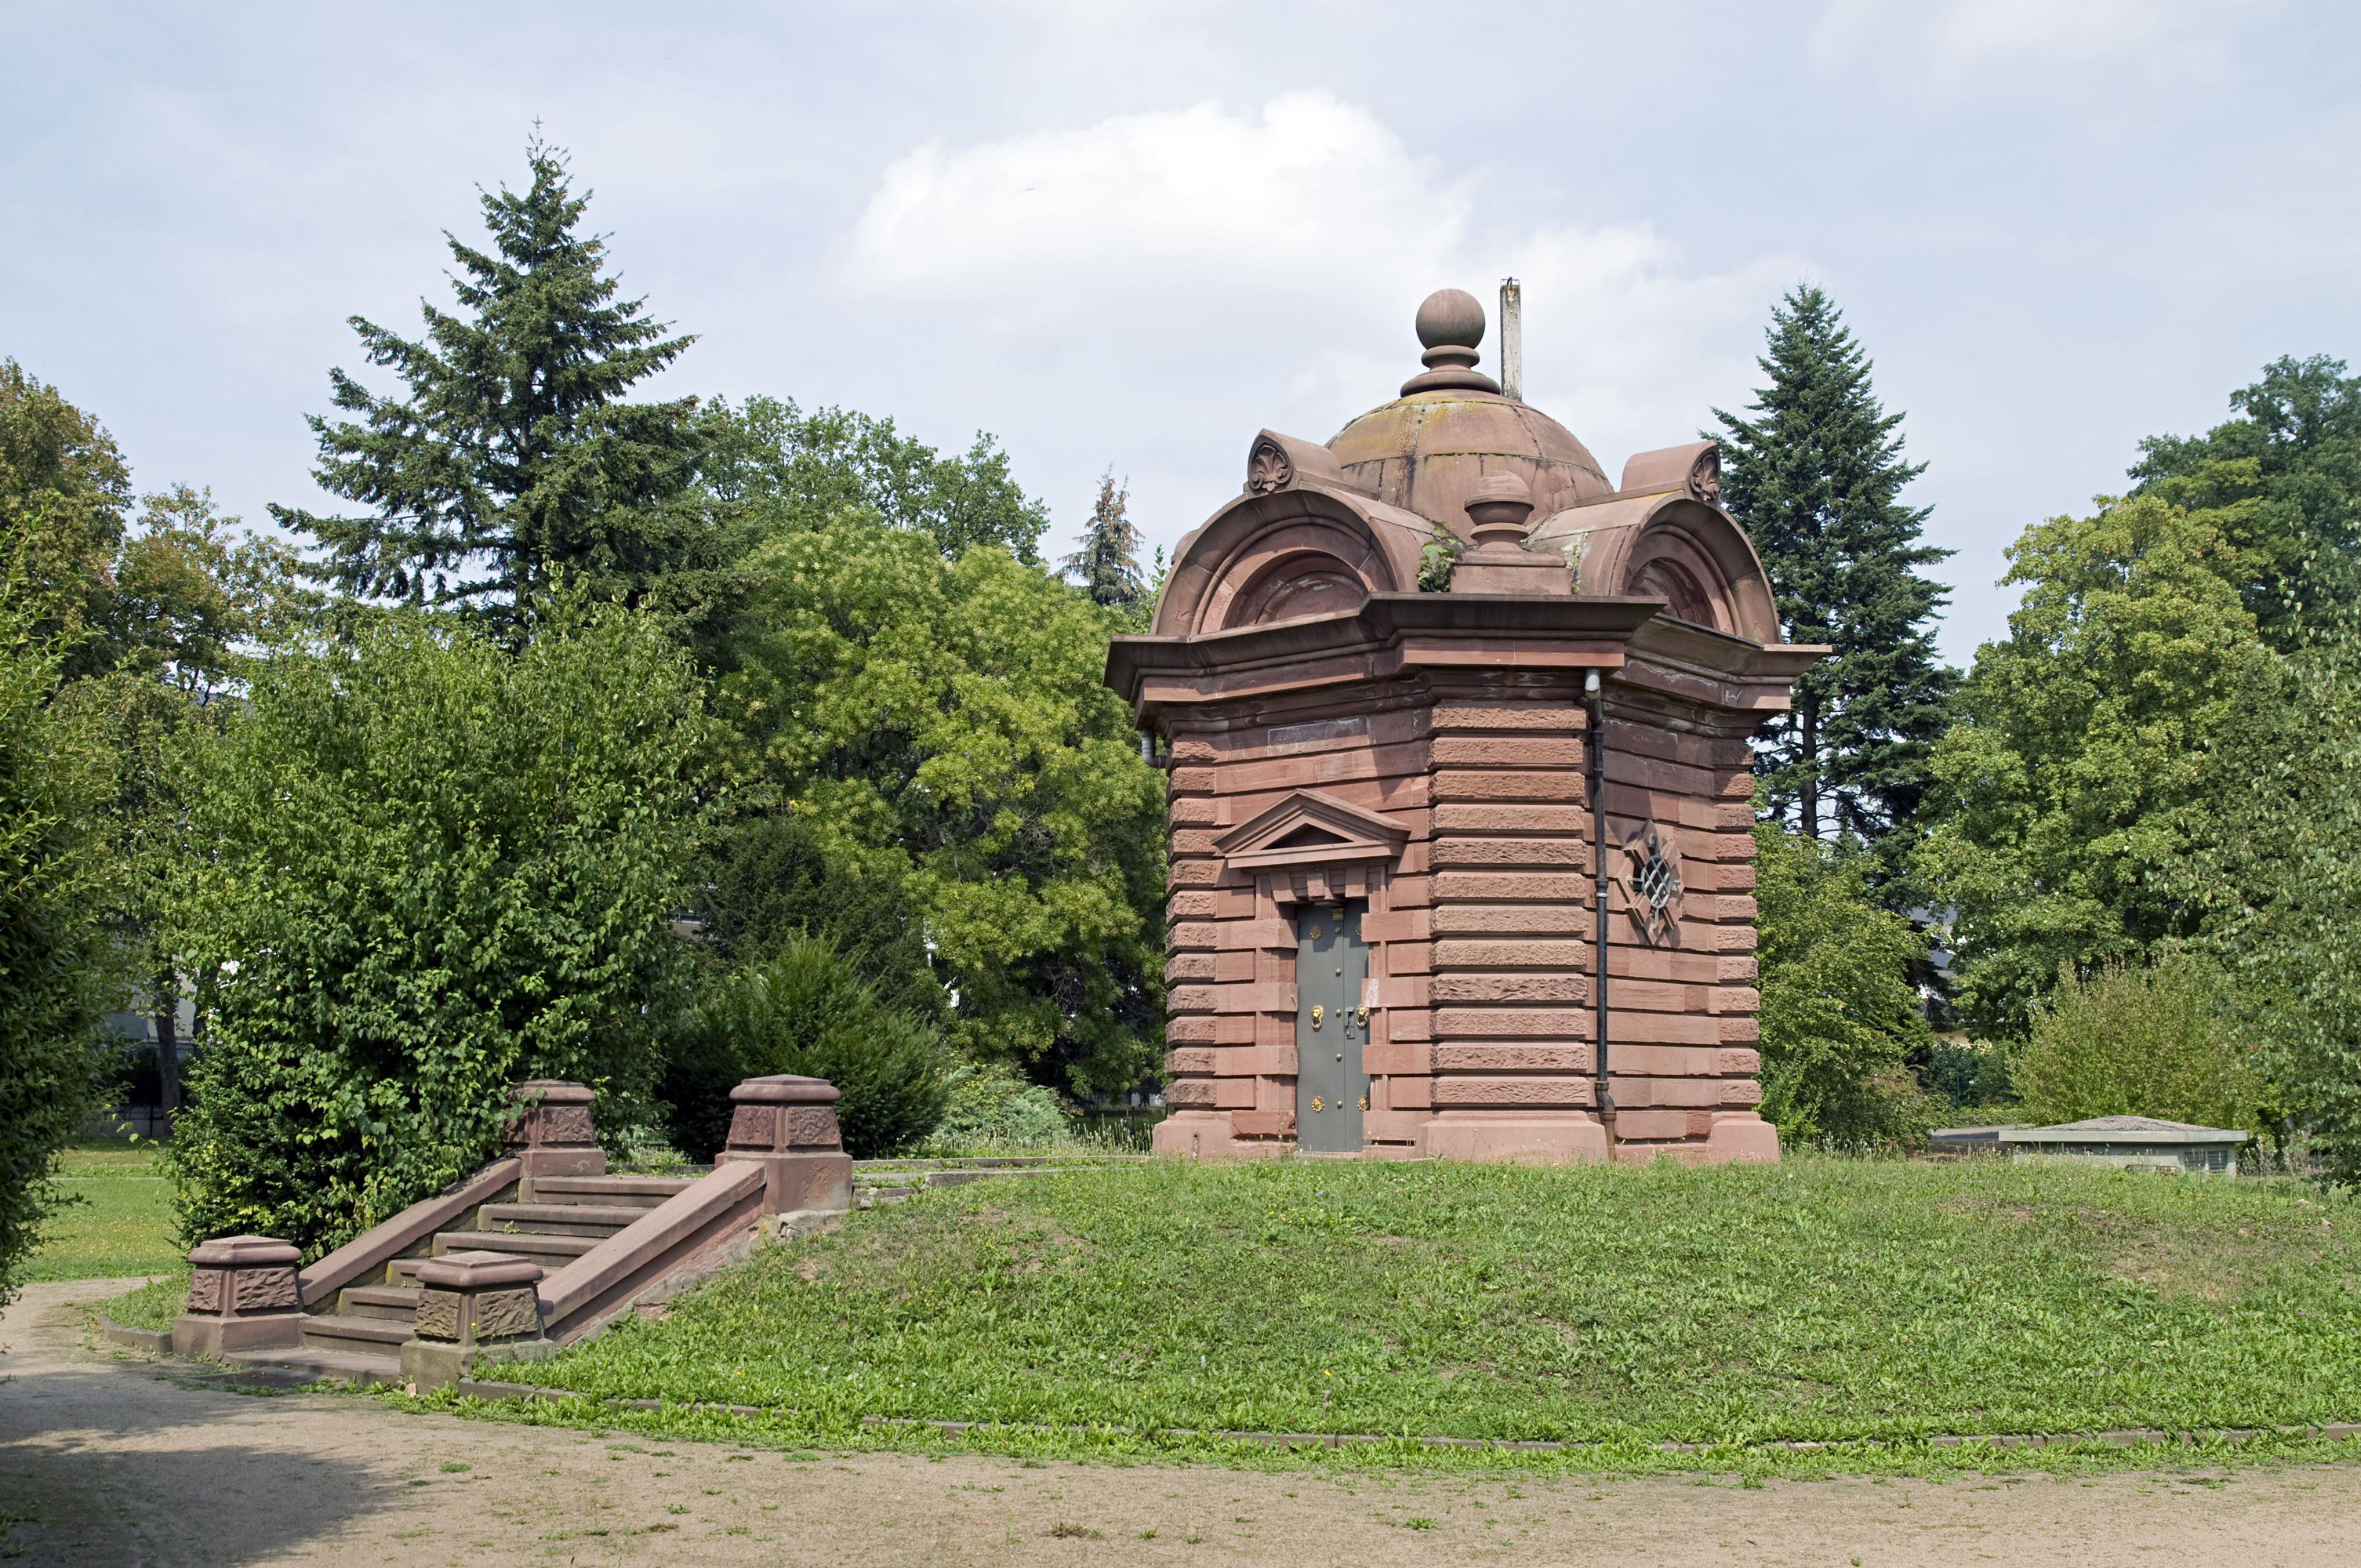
1362,1013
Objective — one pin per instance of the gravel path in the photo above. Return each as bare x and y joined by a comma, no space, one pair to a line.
105,1460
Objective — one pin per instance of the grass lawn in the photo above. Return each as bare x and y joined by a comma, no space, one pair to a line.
1823,1299
124,1224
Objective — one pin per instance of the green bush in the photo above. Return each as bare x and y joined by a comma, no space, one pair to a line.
808,1011
424,867
2126,1042
991,1106
55,960
1840,1017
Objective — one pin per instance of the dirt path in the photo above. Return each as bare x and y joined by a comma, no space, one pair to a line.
106,1463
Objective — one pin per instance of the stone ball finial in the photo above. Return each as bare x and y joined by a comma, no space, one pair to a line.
1450,318
1498,508
1450,323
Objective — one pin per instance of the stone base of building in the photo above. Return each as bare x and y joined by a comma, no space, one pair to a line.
1569,1139
1739,1137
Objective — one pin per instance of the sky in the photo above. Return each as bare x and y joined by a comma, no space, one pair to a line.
1128,236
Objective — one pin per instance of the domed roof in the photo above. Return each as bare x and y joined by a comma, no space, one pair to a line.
1427,450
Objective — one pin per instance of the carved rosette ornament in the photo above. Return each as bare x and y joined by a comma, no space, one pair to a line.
1650,880
1705,476
1267,469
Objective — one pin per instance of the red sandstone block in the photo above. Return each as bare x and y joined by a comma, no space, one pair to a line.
1736,970
1663,1061
1740,1094
1733,878
1506,752
1191,1091
1224,966
1733,939
1511,988
1529,1093
1193,811
1413,1093
1632,1124
1411,1023
1403,1057
1194,780
1194,904
1193,873
1233,903
1391,1125
1738,785
1487,714
1736,1062
1513,920
1503,1058
1405,990
1349,775
1408,958
1189,966
1510,853
1700,1123
1675,965
1233,1093
1728,907
1662,1029
1409,892
1494,1023
1733,999
1189,1031
1401,926
1259,1123
1731,816
1194,840
1475,887
1190,934
1273,1060
1467,786
1462,955
1235,1028
1275,1094
1567,821
1257,996
1251,934
1687,1094
1650,996
1738,1031
1192,999
1236,1061
1189,1059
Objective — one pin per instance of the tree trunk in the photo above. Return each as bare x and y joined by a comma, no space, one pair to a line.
167,1043
1808,799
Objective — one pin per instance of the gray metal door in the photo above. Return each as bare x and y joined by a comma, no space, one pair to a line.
1332,966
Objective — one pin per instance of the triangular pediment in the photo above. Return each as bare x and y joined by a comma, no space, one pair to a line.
1308,829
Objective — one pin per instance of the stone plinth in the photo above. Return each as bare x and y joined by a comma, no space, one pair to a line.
242,1296
473,1307
554,1136
788,1124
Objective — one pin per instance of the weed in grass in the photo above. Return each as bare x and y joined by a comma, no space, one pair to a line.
1420,1522
453,1467
1193,1539
1147,1535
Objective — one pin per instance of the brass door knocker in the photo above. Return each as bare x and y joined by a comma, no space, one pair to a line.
1317,1013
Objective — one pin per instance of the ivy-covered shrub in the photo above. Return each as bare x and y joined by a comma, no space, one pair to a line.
992,1105
808,1011
422,868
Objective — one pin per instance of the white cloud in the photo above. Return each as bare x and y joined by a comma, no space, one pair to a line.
1202,272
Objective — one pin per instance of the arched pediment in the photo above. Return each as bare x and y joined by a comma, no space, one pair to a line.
1671,546
1283,554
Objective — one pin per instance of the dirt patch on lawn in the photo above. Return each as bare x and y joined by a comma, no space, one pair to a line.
107,1460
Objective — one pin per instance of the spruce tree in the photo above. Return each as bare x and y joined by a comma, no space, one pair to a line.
1108,561
512,460
1814,478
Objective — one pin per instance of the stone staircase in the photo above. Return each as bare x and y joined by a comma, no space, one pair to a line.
360,1339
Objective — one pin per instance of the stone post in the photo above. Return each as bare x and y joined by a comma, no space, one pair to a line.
471,1303
242,1296
555,1137
788,1124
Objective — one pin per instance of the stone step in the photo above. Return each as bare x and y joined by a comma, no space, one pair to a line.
322,1364
870,1197
395,1303
362,1336
613,1191
550,1252
555,1219
949,1177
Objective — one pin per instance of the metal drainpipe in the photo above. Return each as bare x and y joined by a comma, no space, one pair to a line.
1594,707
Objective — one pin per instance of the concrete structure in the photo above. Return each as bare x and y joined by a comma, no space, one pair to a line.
2131,1143
1372,674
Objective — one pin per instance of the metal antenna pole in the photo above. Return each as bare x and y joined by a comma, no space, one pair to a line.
1593,710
